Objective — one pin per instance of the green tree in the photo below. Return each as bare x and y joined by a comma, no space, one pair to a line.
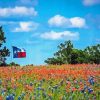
63,55
69,55
4,52
93,53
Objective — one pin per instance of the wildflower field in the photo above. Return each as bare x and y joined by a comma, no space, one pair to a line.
52,82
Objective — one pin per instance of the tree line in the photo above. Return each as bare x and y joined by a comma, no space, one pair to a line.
67,54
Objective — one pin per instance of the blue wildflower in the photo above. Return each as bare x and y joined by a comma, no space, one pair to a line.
31,84
39,88
90,90
91,80
10,97
7,98
19,98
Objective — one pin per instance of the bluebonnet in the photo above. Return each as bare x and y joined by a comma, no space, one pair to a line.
7,98
31,84
90,90
91,80
19,98
10,97
38,88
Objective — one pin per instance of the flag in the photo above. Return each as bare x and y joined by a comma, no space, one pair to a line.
18,53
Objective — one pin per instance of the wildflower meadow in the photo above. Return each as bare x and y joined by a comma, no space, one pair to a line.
52,82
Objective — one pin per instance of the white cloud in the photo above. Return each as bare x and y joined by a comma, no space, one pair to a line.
26,27
58,21
17,11
52,35
77,22
90,2
61,21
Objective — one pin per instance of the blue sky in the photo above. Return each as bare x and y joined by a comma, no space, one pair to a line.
39,26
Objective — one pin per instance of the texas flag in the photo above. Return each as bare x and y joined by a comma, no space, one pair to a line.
18,53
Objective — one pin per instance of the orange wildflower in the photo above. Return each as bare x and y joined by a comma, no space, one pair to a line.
1,98
27,87
74,89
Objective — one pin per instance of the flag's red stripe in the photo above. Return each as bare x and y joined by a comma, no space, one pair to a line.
21,54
